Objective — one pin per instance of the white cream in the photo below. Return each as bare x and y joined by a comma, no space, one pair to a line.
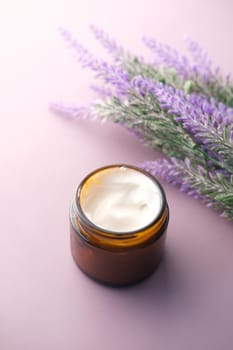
122,199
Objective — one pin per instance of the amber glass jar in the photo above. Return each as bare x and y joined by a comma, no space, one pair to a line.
110,257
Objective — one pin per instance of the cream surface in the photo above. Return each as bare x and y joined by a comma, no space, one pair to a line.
122,200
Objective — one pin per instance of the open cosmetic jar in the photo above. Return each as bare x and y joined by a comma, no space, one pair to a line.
118,223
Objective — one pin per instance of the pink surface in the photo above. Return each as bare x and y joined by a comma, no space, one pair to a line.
45,301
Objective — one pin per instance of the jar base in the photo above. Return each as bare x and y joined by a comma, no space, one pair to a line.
116,268
118,284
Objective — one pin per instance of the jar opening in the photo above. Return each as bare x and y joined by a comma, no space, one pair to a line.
120,199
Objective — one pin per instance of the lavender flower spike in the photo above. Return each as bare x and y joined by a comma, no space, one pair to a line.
111,74
169,57
109,44
201,61
72,111
206,123
101,91
174,172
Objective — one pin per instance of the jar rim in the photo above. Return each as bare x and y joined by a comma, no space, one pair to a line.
106,232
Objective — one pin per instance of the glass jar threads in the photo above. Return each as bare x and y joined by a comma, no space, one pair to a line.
118,219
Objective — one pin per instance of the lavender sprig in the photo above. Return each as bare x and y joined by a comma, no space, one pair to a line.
202,64
198,73
144,115
213,189
191,74
108,43
173,174
102,91
71,111
207,123
169,57
111,74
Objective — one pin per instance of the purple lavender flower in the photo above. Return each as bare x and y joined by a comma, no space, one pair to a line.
173,172
143,85
202,117
168,56
109,44
198,66
195,111
102,91
209,123
72,111
201,62
111,74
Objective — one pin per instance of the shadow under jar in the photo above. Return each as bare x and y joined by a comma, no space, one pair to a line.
117,235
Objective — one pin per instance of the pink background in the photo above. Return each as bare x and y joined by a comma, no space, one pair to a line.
45,301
